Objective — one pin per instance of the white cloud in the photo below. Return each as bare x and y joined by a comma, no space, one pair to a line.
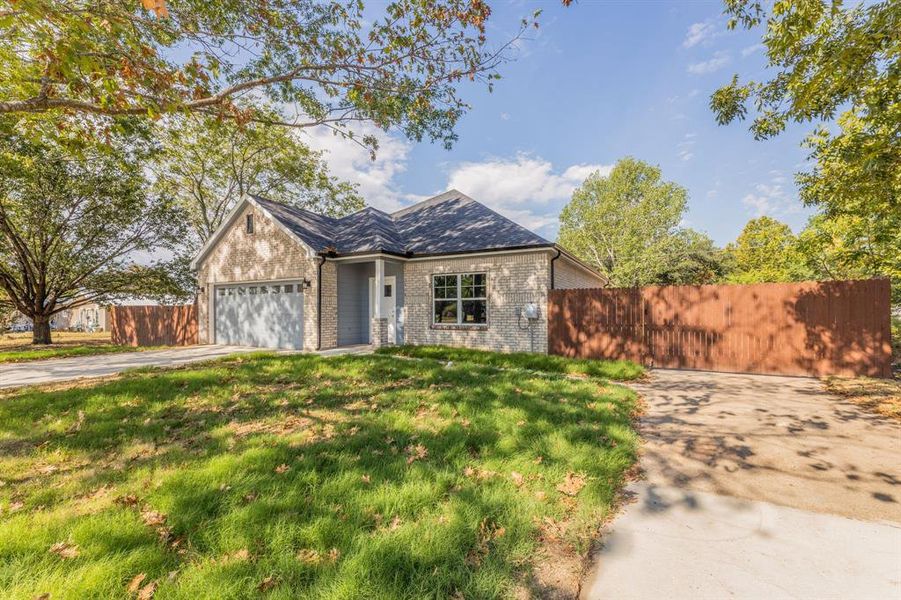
748,51
699,32
770,199
349,161
685,147
525,188
505,116
720,59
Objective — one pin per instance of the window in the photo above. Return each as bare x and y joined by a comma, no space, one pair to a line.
248,226
387,290
289,289
460,299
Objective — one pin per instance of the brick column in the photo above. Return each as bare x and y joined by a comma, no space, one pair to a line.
378,332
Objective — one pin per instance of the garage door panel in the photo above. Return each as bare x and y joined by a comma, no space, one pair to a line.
265,320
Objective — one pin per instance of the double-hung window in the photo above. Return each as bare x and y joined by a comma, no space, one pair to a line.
460,299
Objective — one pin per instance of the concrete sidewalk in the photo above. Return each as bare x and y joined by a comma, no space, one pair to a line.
756,487
101,365
684,544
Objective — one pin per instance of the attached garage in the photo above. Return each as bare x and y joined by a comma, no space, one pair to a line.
264,315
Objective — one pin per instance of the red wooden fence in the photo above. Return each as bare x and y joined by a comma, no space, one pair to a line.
807,328
154,325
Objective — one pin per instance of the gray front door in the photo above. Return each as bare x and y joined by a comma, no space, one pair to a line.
263,315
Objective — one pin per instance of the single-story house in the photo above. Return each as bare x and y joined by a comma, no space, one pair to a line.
447,270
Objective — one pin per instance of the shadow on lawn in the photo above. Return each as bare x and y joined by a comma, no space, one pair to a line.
222,492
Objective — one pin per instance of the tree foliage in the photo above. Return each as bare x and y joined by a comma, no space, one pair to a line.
335,65
208,164
626,224
766,251
832,62
854,247
72,222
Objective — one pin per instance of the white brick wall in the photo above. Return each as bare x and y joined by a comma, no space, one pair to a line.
513,280
266,254
568,275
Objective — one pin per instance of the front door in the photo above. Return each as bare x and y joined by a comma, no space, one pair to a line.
388,298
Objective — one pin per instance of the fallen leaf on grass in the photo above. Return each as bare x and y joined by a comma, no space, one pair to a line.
517,478
267,584
366,478
152,518
64,550
17,505
571,485
127,500
415,453
147,591
282,469
136,583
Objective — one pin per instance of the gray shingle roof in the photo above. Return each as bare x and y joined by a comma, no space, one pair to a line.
449,223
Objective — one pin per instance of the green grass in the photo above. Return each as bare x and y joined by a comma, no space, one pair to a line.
300,476
620,370
48,352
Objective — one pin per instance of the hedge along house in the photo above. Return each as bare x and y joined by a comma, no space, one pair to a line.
448,270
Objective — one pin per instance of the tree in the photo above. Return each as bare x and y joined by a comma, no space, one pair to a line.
71,224
830,61
693,259
766,251
853,247
626,224
333,64
208,164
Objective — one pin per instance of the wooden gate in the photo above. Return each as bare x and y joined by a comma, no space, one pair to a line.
807,328
154,325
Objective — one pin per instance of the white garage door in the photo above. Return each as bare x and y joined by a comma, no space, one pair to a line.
261,315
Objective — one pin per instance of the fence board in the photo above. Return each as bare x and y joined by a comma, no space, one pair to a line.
806,328
154,325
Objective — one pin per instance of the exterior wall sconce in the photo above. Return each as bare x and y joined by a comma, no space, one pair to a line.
307,284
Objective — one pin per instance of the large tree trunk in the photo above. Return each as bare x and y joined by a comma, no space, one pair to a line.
41,333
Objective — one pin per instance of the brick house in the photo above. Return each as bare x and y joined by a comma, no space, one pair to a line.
448,270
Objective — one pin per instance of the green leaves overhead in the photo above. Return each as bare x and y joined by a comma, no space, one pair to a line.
323,60
837,66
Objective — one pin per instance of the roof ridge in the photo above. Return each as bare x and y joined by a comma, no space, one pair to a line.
451,193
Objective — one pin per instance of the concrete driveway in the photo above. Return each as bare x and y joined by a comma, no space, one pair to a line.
756,487
65,369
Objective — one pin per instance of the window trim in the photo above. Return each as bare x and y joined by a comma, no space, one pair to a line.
459,299
248,223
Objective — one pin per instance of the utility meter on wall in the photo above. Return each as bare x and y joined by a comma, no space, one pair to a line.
530,311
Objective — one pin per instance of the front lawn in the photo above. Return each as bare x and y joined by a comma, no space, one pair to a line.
621,370
17,347
300,476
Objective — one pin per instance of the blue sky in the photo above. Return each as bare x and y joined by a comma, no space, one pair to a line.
599,81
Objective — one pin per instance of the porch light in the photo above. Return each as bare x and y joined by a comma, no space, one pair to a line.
307,284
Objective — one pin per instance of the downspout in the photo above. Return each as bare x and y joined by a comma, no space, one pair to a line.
559,252
319,303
